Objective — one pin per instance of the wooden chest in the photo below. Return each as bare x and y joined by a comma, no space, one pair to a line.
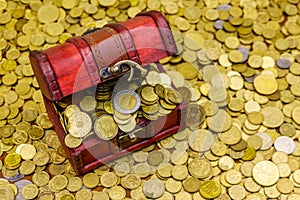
67,71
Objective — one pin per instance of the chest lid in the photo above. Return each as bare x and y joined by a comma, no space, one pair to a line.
86,61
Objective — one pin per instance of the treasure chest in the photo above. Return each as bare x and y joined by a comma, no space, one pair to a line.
101,91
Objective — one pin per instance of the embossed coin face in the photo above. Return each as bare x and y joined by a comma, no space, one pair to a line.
126,101
210,189
80,124
265,173
105,127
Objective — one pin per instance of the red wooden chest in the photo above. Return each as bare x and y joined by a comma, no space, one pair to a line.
85,62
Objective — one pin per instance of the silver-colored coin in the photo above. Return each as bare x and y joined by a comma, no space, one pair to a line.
20,184
219,24
17,177
245,53
154,188
285,144
126,101
283,63
224,7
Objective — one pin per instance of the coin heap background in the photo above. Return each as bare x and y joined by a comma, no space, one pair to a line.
252,88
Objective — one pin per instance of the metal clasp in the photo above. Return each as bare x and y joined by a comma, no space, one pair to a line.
120,68
131,137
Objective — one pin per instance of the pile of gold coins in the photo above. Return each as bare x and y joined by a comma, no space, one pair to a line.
238,69
104,114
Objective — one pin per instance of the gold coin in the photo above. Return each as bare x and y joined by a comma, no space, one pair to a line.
173,96
220,122
84,194
255,142
173,186
91,180
41,158
295,114
200,168
74,184
108,107
232,136
108,179
285,185
72,142
58,182
201,140
100,195
153,78
47,13
4,112
265,173
151,109
237,191
191,184
88,103
20,137
67,196
166,105
210,189
6,192
177,78
30,191
155,158
107,3
141,169
12,160
273,117
236,56
131,181
182,23
30,114
105,127
79,124
36,132
128,127
159,90
255,117
27,167
54,29
41,178
140,156
27,152
117,192
185,93
148,94
188,70
70,110
265,84
68,4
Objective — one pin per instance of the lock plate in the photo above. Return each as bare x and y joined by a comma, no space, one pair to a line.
132,137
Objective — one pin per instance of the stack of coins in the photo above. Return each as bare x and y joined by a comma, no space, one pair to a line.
158,100
104,91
